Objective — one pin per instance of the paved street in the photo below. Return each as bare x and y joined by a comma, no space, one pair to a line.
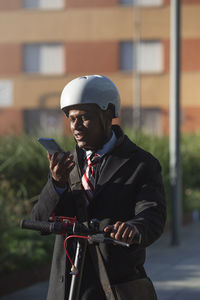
175,271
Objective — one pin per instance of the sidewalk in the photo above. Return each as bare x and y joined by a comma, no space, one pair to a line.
174,270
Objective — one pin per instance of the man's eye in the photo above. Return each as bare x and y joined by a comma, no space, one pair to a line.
85,118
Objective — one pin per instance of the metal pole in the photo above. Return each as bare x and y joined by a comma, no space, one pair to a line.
79,264
175,166
136,68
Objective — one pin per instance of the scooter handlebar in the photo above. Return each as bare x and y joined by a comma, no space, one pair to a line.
45,227
57,227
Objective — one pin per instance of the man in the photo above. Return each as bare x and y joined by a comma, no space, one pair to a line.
124,191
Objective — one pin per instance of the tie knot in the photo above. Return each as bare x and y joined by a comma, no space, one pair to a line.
94,158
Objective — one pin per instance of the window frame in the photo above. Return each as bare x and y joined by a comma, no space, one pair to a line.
41,64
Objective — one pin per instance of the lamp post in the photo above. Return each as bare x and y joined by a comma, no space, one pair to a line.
175,164
136,68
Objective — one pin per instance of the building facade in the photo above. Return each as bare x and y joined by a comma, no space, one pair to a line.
46,43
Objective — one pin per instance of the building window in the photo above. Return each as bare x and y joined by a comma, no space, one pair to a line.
44,58
150,58
44,4
46,121
142,2
6,93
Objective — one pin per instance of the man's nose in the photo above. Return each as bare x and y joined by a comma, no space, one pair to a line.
77,123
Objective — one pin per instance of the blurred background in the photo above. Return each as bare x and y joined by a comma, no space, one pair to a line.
46,43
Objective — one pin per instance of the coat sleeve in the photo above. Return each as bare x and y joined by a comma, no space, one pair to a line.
150,204
50,202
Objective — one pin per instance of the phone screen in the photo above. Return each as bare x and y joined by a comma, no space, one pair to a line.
50,145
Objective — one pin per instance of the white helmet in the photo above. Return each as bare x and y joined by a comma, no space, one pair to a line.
90,89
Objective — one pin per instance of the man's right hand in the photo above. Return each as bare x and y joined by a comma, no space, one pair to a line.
60,165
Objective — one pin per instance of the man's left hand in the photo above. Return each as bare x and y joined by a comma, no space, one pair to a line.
121,231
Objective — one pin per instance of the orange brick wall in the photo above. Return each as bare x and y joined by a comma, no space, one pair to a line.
190,55
90,3
94,57
190,58
10,4
166,47
11,121
189,120
165,121
93,3
167,2
10,59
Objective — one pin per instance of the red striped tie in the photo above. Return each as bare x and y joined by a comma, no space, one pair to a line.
88,178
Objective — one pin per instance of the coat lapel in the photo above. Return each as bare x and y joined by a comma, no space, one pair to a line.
75,175
76,187
116,160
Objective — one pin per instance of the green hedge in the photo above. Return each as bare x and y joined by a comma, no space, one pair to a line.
190,165
23,173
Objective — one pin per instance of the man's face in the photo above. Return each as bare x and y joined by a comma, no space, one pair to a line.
87,126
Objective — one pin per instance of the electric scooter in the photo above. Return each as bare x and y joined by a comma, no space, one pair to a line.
71,228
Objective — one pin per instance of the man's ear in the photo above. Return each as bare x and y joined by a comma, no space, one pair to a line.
108,116
110,112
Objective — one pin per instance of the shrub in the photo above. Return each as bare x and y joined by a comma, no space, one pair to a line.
190,166
23,173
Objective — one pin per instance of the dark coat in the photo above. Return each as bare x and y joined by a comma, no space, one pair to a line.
129,188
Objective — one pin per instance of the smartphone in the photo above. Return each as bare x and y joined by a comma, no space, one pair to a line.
50,145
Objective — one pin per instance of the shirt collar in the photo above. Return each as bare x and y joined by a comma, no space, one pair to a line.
106,147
